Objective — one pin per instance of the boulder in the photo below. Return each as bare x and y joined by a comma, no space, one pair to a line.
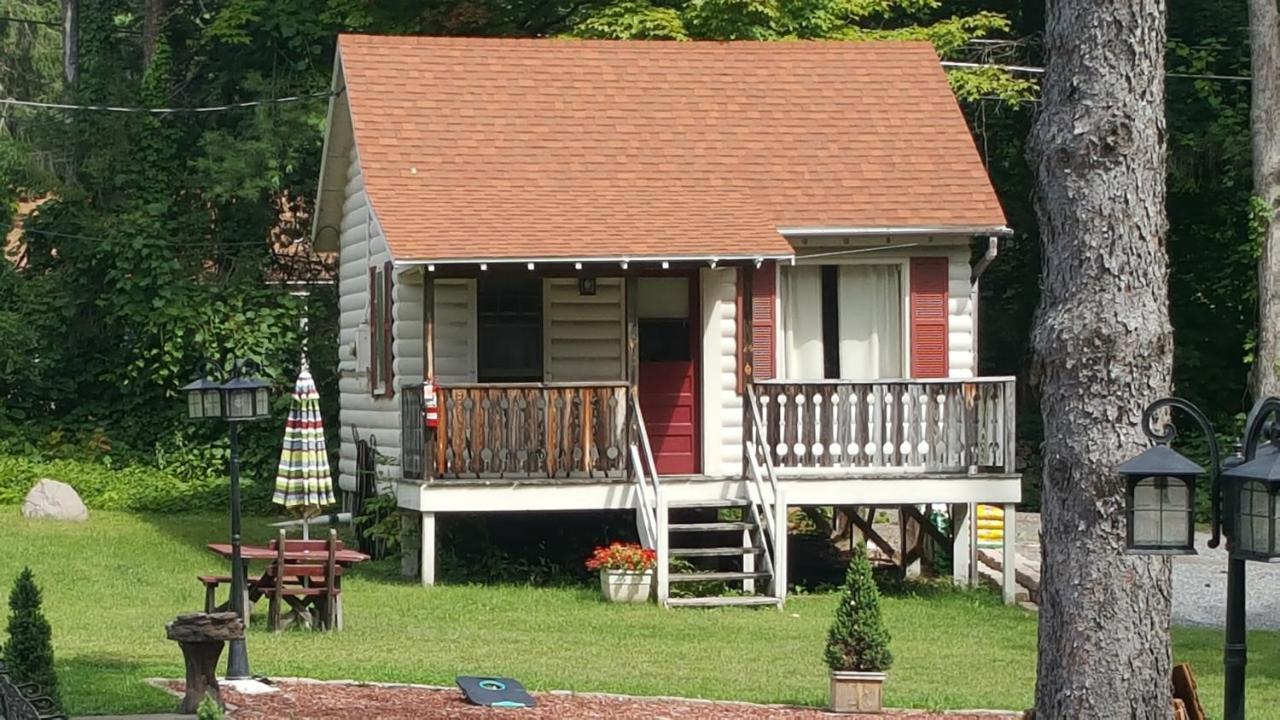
53,500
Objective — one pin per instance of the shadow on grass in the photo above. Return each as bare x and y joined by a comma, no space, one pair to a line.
100,682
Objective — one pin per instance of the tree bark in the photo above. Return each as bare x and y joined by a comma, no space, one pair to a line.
1264,48
152,20
1103,348
71,42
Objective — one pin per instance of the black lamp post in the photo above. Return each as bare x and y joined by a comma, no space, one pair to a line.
238,400
1160,501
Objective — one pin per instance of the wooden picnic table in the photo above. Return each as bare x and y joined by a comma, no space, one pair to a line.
255,588
262,552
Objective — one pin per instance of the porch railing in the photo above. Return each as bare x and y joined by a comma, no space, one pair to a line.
532,430
943,425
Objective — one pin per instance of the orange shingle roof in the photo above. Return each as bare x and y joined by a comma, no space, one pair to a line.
513,149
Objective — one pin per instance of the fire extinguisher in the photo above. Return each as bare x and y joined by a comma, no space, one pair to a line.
430,406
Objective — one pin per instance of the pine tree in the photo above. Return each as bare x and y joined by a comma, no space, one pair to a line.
29,653
858,639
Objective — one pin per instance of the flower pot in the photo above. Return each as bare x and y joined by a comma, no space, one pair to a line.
856,691
626,586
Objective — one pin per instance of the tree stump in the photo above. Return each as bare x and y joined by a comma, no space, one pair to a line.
201,637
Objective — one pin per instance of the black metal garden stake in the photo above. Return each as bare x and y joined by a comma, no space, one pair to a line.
237,400
1160,502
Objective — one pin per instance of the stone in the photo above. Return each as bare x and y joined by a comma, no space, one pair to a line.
54,500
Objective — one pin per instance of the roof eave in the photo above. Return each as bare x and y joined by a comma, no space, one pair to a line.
816,231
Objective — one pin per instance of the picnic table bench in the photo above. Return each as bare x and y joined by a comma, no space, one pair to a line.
302,574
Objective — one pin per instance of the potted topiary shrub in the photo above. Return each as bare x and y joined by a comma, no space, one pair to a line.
858,643
626,571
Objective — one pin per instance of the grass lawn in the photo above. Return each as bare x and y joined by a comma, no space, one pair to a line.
111,584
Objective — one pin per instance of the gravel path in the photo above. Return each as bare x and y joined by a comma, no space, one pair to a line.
1200,589
1199,582
299,701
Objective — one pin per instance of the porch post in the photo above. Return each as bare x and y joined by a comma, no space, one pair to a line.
428,562
1009,587
961,553
631,299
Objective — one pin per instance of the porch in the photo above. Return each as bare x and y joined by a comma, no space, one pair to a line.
851,429
852,444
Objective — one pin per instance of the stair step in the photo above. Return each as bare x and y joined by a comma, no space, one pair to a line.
715,576
710,526
715,551
719,503
732,601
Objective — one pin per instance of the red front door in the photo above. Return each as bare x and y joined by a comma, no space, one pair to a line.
668,384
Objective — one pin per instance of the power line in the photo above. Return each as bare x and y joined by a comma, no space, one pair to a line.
167,111
1040,71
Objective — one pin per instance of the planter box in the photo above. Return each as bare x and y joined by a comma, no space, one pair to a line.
626,586
856,691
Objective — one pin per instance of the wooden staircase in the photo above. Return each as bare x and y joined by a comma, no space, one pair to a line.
727,559
731,551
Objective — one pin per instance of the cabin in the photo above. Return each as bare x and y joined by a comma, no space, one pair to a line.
693,280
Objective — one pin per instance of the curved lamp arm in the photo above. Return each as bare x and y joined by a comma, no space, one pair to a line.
1256,424
1168,432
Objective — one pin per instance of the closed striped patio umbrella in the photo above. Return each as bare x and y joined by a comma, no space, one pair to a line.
303,480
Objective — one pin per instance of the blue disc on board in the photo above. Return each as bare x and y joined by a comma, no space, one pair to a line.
495,692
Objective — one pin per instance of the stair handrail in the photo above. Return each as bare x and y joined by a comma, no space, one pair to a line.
765,509
755,444
645,470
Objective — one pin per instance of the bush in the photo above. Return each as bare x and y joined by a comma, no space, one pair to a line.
858,640
208,709
135,488
29,653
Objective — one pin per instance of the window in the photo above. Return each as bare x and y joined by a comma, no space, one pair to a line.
509,329
843,321
663,318
380,335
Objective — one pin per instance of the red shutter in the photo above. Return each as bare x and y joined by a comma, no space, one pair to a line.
929,317
388,355
764,291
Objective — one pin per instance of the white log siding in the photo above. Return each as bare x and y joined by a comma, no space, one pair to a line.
583,334
455,331
962,360
721,403
362,246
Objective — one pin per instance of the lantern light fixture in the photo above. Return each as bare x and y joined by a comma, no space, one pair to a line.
1253,505
1160,502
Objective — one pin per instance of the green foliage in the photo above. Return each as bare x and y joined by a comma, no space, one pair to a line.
813,20
138,488
28,655
858,639
208,709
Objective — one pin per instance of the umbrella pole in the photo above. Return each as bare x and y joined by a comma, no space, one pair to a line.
306,527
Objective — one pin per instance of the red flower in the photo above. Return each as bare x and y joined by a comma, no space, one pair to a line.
622,556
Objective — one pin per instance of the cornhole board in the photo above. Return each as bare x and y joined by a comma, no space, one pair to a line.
495,692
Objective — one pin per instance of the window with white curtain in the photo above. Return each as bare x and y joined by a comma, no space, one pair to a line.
843,321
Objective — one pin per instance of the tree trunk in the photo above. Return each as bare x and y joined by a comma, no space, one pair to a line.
71,42
1103,348
152,20
1264,44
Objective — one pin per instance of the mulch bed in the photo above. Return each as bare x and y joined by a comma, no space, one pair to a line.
303,700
